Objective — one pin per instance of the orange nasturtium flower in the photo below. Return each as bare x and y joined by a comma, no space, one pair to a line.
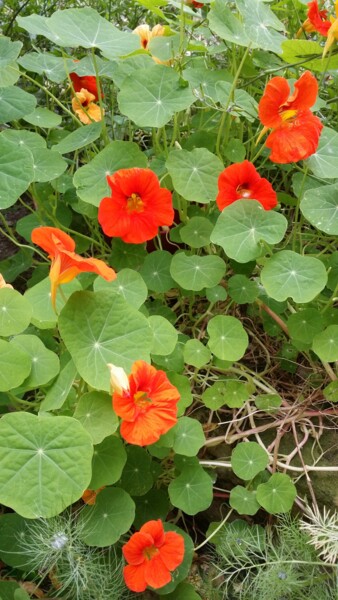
146,34
3,283
332,33
316,20
295,129
137,207
146,401
152,554
88,82
66,264
85,108
89,496
242,181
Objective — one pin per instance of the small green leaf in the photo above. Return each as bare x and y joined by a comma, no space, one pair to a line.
268,402
184,591
197,232
248,459
150,97
228,339
45,463
291,275
94,410
196,354
79,138
9,51
16,171
242,289
320,207
236,393
39,296
330,392
195,174
235,150
216,294
323,162
277,495
305,324
109,460
153,505
226,25
129,284
45,363
214,397
197,272
136,477
13,531
188,436
164,335
110,517
42,117
242,226
325,344
183,385
15,312
243,501
156,271
57,394
191,491
15,366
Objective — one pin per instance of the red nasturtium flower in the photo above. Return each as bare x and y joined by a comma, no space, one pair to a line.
66,264
241,181
316,20
88,82
295,129
136,207
152,554
146,401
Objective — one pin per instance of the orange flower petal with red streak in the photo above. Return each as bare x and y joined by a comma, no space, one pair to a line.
66,264
242,181
152,555
149,408
84,107
137,207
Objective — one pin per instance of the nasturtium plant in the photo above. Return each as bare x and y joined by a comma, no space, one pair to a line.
248,459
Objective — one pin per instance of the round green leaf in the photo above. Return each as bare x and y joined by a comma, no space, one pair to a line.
184,591
15,312
45,463
305,324
47,164
196,354
216,294
268,402
42,117
330,392
94,410
110,517
197,232
228,339
15,366
242,226
15,103
156,271
9,51
150,97
191,491
196,272
16,171
39,296
45,363
243,501
183,385
236,393
195,174
164,335
242,289
129,284
325,344
79,138
323,163
214,397
45,63
320,207
91,179
137,478
109,460
290,275
248,459
153,505
235,150
277,495
100,328
224,23
14,530
188,436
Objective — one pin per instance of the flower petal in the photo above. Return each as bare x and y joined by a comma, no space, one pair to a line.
134,578
275,95
156,530
133,550
156,573
49,238
172,551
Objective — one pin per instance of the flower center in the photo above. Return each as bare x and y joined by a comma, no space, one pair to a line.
244,191
149,552
134,203
288,115
142,399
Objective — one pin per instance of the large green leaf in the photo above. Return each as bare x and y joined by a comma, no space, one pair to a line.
42,117
44,63
309,53
45,463
325,344
15,103
82,27
188,436
79,138
197,272
91,180
137,478
261,25
323,163
39,296
238,103
320,207
242,226
45,363
15,366
150,97
195,174
9,51
128,284
290,275
100,328
94,410
224,23
15,312
156,271
228,339
16,171
110,517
